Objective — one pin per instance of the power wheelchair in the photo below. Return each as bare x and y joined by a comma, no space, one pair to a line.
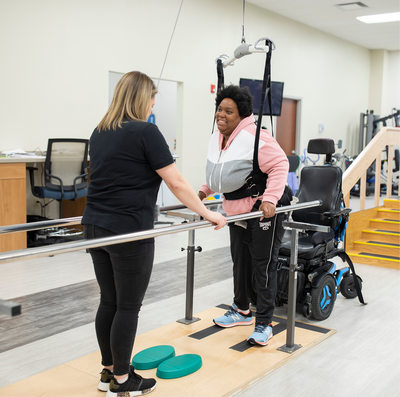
318,279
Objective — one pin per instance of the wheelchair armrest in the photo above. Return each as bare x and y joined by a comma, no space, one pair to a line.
306,226
336,214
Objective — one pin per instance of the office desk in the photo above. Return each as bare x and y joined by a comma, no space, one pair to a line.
13,198
13,202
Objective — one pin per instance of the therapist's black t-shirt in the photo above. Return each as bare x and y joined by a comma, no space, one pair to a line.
123,186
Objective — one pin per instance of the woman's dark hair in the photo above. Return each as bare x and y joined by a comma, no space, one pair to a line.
240,95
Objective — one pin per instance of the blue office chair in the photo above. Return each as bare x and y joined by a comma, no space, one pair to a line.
65,171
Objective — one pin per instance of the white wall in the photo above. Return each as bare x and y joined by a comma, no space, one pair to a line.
391,97
57,55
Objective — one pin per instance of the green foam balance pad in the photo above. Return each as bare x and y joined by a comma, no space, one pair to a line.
152,357
179,366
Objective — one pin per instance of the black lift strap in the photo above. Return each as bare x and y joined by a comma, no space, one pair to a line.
255,182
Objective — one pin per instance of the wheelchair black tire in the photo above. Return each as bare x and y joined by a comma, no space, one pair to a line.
323,298
347,287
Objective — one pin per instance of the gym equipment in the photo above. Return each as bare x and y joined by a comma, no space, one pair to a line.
368,129
152,357
305,158
369,126
318,279
292,180
179,366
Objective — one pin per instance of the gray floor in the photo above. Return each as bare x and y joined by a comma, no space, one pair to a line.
59,295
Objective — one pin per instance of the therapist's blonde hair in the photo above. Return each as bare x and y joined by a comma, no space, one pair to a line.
131,100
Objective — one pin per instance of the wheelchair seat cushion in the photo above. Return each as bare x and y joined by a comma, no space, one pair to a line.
306,249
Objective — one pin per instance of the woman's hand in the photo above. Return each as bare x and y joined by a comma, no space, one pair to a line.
201,195
216,219
268,209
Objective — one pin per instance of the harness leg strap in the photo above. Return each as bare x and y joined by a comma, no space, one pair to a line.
345,258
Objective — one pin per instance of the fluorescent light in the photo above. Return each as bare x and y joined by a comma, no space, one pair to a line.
380,18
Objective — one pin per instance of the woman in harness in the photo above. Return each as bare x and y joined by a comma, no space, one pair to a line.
254,243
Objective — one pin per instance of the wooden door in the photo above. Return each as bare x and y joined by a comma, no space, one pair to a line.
286,126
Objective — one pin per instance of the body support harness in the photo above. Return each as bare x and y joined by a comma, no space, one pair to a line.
255,183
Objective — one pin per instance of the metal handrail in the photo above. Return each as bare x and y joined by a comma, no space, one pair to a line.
51,223
55,249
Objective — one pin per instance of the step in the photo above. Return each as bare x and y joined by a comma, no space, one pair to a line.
386,213
367,258
385,224
391,203
387,236
377,247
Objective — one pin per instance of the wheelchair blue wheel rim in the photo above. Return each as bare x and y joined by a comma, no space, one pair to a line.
326,297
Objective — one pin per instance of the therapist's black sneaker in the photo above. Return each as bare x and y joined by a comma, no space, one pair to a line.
105,378
134,386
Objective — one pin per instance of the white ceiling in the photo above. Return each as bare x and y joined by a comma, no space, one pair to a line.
326,16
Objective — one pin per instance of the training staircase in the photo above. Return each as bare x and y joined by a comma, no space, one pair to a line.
373,236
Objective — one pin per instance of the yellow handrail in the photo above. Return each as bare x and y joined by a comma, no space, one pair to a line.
387,136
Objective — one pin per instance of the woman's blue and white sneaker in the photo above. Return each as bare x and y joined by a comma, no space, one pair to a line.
233,317
261,335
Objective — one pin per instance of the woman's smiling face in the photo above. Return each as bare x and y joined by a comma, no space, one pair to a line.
228,117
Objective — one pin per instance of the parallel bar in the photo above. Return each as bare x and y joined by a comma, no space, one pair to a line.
55,249
181,206
26,227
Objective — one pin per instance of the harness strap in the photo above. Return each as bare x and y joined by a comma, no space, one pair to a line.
256,181
345,258
220,73
266,90
220,85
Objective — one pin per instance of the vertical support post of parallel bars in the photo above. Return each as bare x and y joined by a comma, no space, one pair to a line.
189,319
290,347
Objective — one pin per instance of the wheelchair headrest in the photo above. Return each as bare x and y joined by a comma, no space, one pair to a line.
321,146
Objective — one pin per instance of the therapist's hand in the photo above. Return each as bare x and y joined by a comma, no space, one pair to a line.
216,219
268,209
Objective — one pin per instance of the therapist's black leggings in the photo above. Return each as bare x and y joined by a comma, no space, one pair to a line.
123,273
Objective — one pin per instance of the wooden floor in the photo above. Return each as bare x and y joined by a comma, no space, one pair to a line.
230,363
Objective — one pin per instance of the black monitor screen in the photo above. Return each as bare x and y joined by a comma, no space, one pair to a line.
255,87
